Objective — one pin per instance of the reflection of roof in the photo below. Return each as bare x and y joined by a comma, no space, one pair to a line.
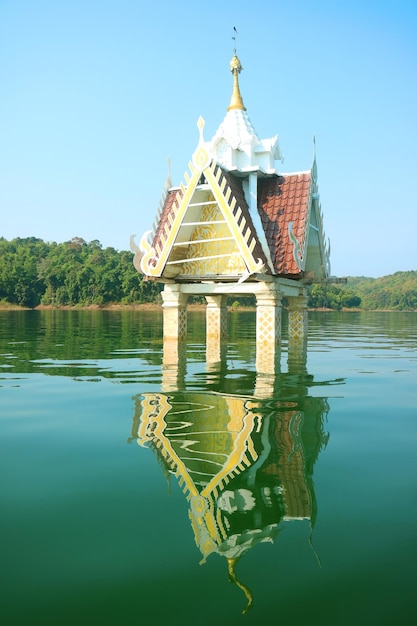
205,442
283,200
211,440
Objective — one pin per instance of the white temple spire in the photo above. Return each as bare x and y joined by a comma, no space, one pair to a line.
235,145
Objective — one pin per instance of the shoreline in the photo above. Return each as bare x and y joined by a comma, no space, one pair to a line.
153,306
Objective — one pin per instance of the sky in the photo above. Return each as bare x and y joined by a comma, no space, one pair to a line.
97,95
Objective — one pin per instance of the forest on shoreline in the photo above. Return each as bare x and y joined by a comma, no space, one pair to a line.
35,273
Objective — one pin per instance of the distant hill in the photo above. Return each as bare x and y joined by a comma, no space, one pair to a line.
396,292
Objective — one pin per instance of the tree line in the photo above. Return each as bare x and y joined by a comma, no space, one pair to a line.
77,273
34,272
396,292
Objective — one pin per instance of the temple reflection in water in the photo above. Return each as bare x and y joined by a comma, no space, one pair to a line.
245,462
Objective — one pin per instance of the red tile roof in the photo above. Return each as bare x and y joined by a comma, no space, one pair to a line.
164,221
282,200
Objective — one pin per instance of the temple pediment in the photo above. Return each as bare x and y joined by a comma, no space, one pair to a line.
204,230
228,224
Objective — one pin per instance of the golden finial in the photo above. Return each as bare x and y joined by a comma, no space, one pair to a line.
236,101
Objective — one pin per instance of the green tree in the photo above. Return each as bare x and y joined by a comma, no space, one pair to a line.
79,273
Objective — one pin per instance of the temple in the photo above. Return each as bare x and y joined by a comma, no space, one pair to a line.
237,227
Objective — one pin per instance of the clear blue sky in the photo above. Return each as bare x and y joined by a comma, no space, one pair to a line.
95,95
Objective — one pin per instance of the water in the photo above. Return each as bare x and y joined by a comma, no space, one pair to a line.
304,486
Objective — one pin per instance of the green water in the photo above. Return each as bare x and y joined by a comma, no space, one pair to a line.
319,518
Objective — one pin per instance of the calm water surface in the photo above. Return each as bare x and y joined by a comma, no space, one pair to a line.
249,500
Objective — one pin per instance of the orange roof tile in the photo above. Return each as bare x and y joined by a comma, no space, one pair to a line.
164,221
282,200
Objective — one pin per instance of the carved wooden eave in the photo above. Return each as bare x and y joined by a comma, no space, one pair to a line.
204,230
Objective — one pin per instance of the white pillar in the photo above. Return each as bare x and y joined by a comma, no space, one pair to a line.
175,312
174,309
297,328
297,316
268,329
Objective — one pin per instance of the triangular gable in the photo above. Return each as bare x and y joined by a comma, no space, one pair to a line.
204,229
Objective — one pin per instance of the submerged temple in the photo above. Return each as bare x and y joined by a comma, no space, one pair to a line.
237,227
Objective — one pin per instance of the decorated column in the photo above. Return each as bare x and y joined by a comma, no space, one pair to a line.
297,328
175,312
268,328
174,308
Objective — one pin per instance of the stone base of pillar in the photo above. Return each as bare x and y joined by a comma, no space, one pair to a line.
174,312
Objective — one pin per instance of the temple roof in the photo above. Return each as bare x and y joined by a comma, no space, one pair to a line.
236,216
290,218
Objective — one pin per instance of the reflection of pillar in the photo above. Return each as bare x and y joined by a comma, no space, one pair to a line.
174,365
297,329
268,329
175,331
216,326
265,385
175,312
